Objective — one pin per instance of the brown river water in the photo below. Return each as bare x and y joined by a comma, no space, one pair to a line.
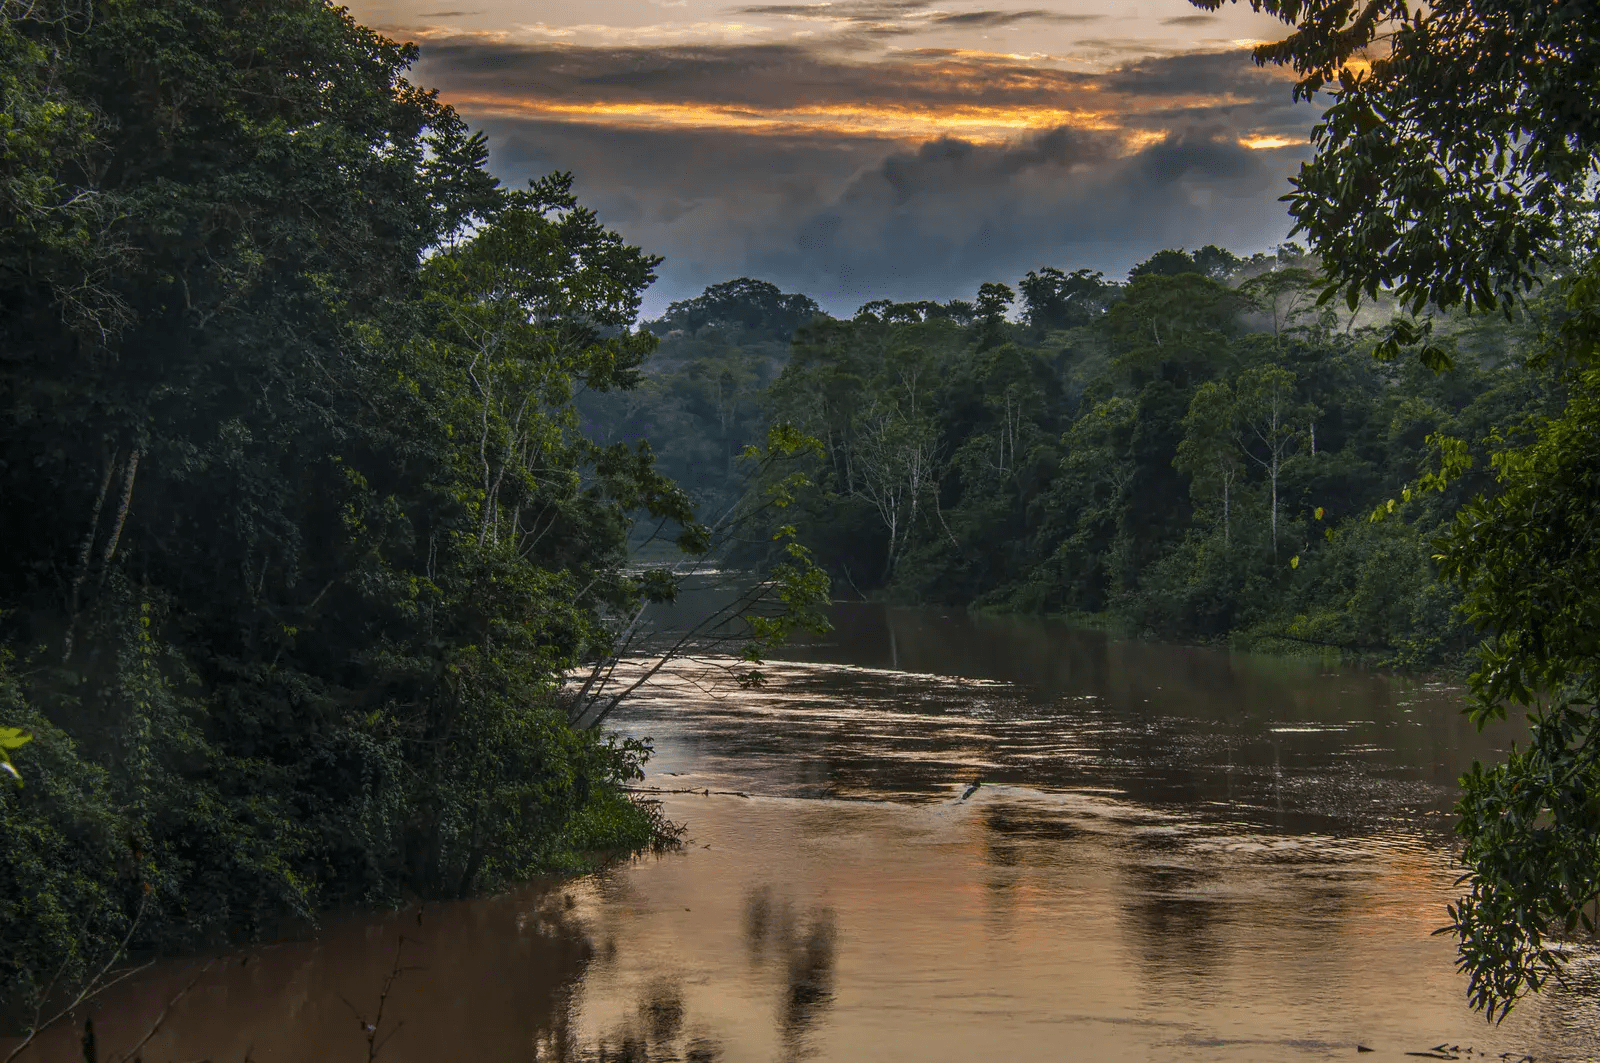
1174,854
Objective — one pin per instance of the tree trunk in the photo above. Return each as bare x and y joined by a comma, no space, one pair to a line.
888,566
1274,505
122,512
85,552
1226,526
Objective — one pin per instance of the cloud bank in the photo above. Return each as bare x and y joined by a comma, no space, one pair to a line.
909,174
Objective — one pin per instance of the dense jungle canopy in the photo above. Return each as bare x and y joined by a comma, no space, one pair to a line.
299,531
1197,450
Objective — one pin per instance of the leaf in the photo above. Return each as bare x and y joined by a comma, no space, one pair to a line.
12,738
1319,513
1294,562
1436,358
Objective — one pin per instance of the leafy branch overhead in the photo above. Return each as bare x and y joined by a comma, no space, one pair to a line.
1456,144
1456,167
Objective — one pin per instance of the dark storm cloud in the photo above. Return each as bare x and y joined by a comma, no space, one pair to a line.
985,19
1220,80
848,216
758,76
788,76
909,16
1190,20
937,221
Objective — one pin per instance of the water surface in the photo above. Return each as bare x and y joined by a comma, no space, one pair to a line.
1170,853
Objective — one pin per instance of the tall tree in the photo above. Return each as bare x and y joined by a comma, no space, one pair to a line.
994,300
1056,300
1210,453
1275,421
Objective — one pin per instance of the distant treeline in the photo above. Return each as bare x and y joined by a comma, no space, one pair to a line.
1200,452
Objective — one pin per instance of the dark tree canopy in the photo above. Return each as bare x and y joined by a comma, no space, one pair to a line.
300,533
1167,263
1052,299
752,305
1460,134
1216,262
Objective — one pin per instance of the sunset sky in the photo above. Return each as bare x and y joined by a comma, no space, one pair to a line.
865,149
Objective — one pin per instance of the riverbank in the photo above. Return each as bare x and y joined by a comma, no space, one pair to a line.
1273,639
613,824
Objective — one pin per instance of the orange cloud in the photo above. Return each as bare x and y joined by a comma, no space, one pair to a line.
979,97
975,123
1269,141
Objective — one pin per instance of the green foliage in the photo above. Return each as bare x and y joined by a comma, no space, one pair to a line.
12,738
1208,453
1443,169
1056,300
1457,170
315,533
1164,460
1525,561
755,310
699,401
1212,453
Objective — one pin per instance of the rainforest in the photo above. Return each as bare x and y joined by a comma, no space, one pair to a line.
342,481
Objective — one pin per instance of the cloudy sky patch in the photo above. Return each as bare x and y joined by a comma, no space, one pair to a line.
869,149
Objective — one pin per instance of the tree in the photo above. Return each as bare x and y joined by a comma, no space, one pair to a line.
753,306
1269,412
1446,171
1216,262
1283,295
1443,164
1055,300
314,535
1526,561
1098,470
232,207
1210,453
1167,263
994,300
524,301
1173,327
896,459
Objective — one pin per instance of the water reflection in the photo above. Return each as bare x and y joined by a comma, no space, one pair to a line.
1297,745
805,954
653,1034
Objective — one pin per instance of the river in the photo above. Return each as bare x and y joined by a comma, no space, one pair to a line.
1172,853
